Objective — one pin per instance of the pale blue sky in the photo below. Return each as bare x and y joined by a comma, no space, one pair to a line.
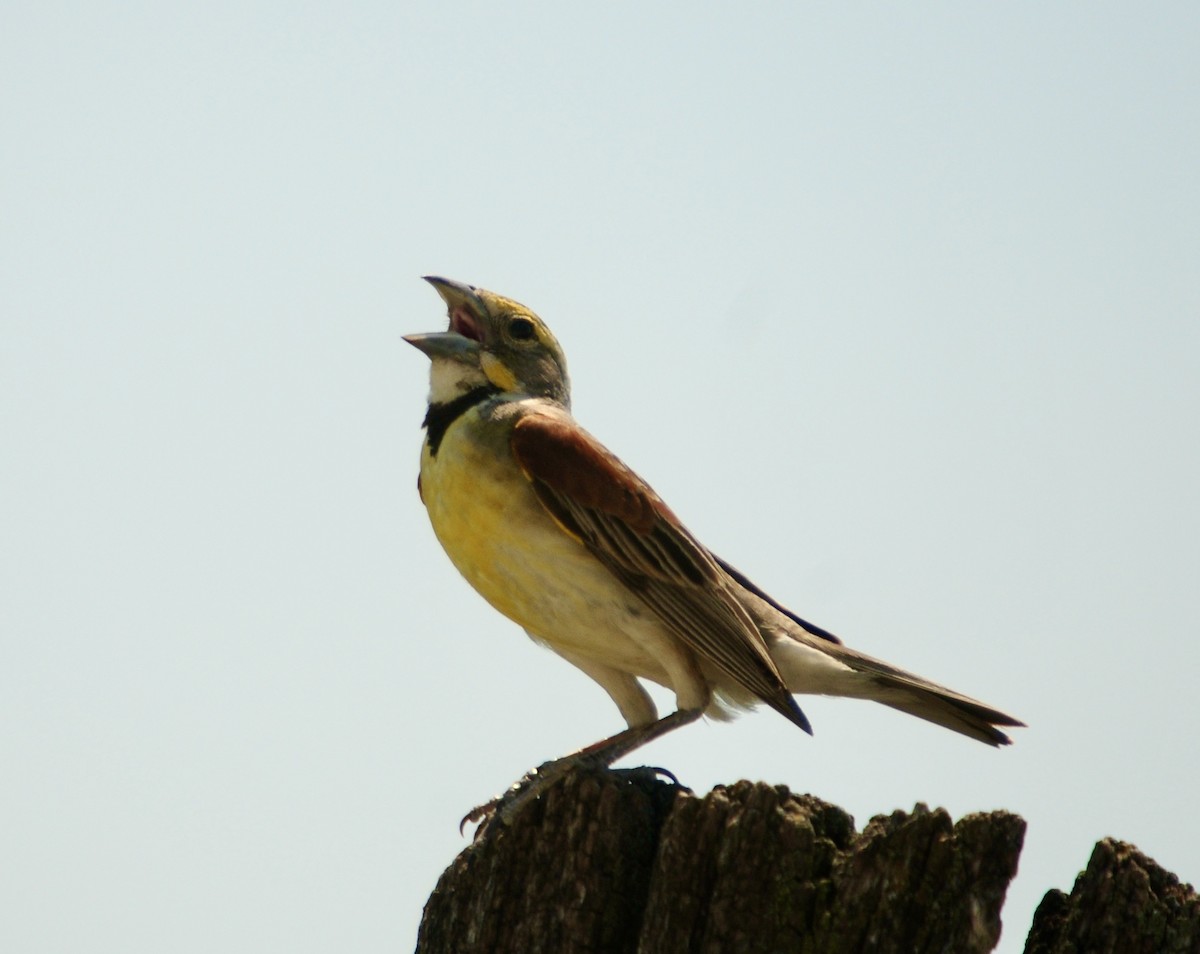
898,308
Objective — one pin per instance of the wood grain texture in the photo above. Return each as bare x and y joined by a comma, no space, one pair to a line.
1122,903
613,864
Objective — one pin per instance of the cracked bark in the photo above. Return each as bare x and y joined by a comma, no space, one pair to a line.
607,863
1123,903
610,862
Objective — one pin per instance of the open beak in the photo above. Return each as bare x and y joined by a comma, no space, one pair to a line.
464,339
457,293
446,344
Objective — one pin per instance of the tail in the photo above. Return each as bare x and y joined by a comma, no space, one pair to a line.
813,660
827,668
945,707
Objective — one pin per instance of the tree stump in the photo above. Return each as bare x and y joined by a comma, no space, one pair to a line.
612,862
1123,903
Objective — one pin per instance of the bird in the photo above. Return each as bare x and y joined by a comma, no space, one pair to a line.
564,539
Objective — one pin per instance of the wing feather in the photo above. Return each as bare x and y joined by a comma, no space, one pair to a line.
621,520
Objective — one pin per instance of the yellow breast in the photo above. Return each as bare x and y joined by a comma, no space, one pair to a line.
500,538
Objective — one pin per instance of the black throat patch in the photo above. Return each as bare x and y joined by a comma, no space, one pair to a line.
439,417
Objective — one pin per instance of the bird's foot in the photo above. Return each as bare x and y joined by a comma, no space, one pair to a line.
504,807
649,773
598,755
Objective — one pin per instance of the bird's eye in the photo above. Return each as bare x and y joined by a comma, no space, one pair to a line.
522,329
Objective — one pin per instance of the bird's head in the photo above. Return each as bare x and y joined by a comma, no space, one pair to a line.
493,341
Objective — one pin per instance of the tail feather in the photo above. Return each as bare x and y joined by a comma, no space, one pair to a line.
812,660
819,666
892,686
967,717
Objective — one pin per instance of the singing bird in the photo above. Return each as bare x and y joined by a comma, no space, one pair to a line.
554,531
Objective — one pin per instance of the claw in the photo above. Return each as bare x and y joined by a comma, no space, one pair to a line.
532,784
480,813
650,773
599,755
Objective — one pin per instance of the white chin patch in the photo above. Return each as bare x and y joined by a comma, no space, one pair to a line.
451,379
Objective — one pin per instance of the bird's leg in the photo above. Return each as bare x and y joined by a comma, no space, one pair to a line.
597,755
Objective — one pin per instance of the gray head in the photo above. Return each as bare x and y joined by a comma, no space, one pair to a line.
492,340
